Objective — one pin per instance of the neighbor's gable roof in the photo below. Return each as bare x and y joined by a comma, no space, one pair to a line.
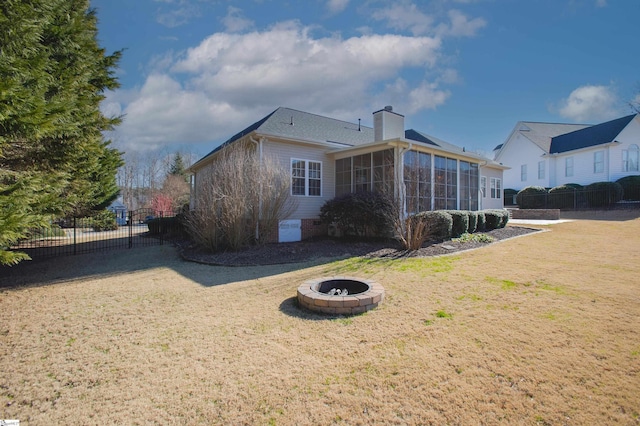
590,136
289,123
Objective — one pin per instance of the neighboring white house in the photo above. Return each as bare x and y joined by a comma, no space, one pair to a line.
551,154
120,210
329,157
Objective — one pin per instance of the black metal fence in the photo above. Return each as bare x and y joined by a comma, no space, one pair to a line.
573,199
139,228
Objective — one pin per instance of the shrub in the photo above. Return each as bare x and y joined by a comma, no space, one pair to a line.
563,196
460,222
603,194
365,214
532,197
630,187
439,224
482,221
104,221
496,219
473,222
172,225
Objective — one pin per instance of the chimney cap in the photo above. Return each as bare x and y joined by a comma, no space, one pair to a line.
388,108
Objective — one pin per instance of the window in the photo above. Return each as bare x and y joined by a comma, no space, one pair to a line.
445,183
483,186
417,181
343,176
568,166
306,177
598,162
468,185
496,188
630,159
523,173
366,172
541,169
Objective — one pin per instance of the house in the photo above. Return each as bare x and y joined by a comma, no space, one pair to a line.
329,157
551,154
120,210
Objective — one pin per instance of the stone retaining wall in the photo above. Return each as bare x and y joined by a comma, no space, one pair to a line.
539,214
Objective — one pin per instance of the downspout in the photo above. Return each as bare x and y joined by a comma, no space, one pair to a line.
480,200
402,192
259,147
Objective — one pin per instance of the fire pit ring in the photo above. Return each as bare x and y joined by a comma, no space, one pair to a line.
340,295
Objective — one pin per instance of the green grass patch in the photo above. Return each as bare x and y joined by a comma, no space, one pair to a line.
443,314
504,284
473,238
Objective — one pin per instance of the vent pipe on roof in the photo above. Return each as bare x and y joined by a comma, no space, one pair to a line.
291,123
359,129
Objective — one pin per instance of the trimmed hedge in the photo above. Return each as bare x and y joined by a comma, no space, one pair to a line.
495,219
440,223
473,222
563,196
508,196
603,194
532,197
165,225
460,222
482,221
630,187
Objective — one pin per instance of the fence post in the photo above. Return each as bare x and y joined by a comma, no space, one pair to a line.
130,223
160,223
75,244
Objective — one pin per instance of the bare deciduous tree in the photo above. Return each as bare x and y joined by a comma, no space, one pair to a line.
240,199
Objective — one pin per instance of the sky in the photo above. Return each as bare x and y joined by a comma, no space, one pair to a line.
195,72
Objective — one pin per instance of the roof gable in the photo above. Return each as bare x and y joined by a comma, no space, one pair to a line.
590,136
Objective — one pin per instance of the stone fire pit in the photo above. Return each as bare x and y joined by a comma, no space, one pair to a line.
340,295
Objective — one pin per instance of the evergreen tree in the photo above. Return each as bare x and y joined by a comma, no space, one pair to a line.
53,74
177,167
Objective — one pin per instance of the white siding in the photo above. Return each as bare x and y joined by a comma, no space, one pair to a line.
519,151
308,207
487,202
629,136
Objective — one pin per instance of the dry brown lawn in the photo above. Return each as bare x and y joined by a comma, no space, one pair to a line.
541,329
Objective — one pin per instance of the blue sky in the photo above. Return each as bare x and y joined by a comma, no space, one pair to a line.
194,72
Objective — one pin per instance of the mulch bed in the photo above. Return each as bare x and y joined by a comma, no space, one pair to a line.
303,251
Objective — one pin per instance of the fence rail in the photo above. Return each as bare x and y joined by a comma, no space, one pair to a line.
73,236
578,199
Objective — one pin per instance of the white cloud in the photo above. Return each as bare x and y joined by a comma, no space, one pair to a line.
235,21
230,80
177,17
601,3
590,103
461,25
405,16
337,6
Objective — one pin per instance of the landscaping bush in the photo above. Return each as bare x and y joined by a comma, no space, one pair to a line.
104,221
630,187
481,225
460,222
563,196
532,197
439,224
473,222
603,194
171,225
495,219
364,214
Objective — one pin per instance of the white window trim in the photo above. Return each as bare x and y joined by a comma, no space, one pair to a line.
496,188
306,177
483,186
567,168
541,169
523,173
596,162
626,158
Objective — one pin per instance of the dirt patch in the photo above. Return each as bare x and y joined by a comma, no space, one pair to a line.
325,248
